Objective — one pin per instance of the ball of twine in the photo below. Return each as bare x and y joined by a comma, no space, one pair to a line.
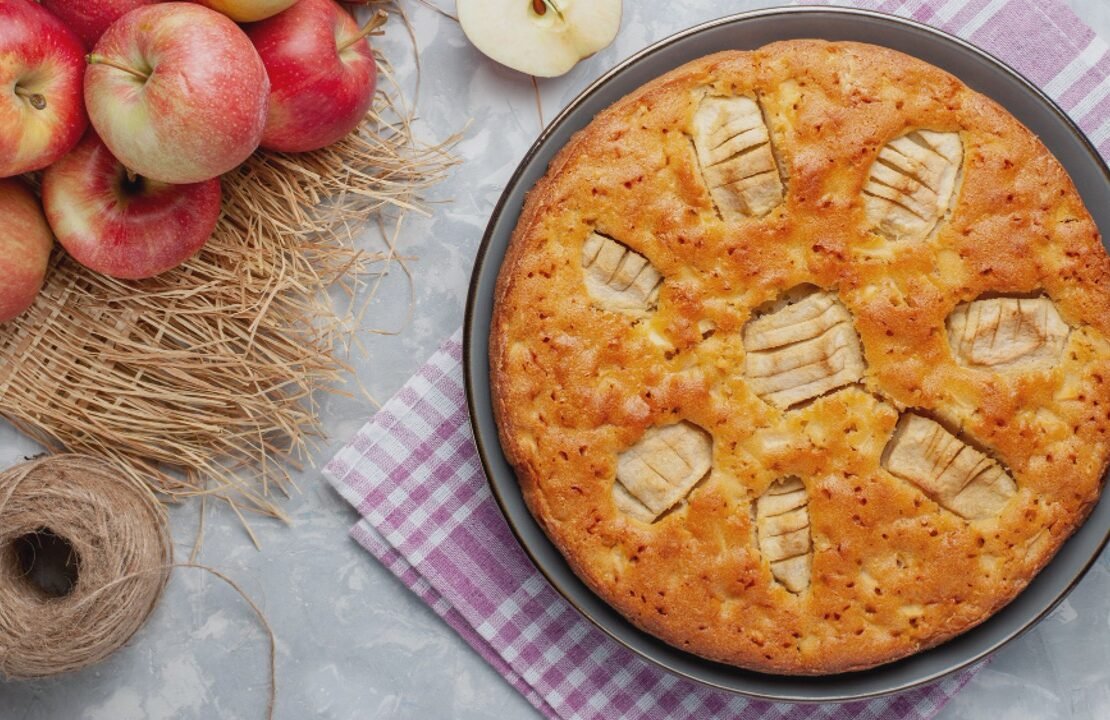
117,554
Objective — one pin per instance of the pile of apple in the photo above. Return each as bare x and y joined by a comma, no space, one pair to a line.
134,108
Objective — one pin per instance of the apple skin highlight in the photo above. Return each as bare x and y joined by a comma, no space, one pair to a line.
248,10
125,226
25,246
322,75
42,62
177,92
90,18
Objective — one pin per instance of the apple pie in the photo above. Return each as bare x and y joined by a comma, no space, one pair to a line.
802,356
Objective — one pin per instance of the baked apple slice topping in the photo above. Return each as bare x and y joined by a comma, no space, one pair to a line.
736,157
782,528
1007,333
955,475
801,346
661,469
617,278
912,184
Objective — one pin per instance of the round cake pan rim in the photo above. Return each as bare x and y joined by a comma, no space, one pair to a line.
473,400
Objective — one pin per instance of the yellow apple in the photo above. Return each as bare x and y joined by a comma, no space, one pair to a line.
540,37
248,10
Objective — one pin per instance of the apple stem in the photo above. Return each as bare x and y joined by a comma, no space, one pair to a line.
376,22
37,100
94,59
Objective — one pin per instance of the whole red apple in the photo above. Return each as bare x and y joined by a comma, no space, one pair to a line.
125,225
90,18
322,74
25,245
177,92
42,112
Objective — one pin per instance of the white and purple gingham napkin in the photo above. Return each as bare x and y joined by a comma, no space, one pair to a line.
414,475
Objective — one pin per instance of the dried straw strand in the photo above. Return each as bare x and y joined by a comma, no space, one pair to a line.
539,101
432,6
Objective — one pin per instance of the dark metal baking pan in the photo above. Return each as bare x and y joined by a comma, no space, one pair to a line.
746,31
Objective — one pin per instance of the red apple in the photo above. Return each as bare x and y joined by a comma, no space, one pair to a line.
125,225
322,74
42,113
25,245
177,92
90,18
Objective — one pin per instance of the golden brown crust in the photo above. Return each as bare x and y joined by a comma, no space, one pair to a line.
574,384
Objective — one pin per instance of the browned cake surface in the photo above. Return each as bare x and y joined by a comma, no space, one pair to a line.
801,356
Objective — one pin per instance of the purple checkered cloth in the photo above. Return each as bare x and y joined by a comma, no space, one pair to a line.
414,475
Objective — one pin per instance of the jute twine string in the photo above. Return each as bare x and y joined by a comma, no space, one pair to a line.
121,554
121,547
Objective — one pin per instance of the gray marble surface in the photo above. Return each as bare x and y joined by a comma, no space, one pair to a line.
352,641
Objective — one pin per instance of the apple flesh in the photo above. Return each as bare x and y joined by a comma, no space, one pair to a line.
42,113
545,38
124,225
248,10
25,245
90,18
177,92
322,74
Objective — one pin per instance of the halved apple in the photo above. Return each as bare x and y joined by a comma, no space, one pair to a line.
540,37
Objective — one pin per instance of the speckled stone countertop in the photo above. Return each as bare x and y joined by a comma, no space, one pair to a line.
352,641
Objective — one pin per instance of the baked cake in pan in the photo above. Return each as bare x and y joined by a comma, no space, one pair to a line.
801,356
